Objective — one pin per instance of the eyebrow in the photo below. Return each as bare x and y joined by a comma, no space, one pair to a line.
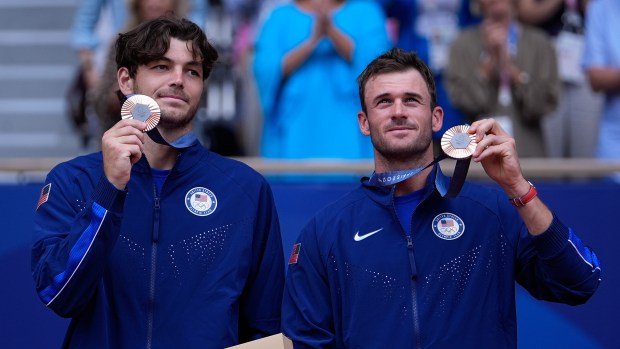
189,63
387,94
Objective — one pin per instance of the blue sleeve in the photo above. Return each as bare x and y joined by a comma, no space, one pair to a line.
268,58
557,266
306,307
84,23
371,38
261,301
596,36
75,230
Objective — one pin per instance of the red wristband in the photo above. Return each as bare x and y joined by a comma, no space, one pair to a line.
521,201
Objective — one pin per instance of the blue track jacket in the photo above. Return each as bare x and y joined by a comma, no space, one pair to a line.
356,280
198,266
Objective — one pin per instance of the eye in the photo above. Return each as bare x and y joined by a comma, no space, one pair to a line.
411,100
195,73
160,67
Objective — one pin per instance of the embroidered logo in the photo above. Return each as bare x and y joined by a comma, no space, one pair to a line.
359,237
45,194
295,253
200,201
448,226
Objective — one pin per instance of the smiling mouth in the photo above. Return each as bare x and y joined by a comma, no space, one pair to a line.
178,98
400,129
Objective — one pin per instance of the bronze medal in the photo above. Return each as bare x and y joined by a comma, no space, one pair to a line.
457,143
143,108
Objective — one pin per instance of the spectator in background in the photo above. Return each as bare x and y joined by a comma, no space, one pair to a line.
247,15
428,27
95,26
306,55
506,70
572,129
105,97
602,63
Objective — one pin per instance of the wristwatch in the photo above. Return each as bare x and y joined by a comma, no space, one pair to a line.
523,200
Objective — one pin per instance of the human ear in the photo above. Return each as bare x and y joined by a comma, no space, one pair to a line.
362,120
437,118
125,82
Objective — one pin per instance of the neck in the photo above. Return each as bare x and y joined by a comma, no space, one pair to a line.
412,184
160,156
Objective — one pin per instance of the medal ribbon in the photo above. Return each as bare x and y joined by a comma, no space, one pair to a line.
385,179
184,141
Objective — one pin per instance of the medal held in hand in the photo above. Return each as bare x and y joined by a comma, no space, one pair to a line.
143,108
457,143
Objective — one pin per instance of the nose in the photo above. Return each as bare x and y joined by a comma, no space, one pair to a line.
398,108
176,77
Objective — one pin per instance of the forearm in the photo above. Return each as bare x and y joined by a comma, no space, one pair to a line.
343,44
603,79
67,262
295,58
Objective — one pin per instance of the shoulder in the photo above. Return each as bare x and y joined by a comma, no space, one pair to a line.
339,213
484,193
363,6
283,9
232,168
489,200
468,35
535,34
86,164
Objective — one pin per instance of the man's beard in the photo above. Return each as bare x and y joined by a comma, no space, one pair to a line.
403,153
172,121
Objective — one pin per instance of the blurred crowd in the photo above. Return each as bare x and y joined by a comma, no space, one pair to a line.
285,85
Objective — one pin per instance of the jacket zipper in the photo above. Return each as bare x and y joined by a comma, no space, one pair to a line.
151,312
414,293
414,276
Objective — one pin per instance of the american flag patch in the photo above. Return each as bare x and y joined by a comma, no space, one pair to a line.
447,223
45,194
201,197
295,254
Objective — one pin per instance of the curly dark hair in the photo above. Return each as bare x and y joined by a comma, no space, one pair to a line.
150,41
397,60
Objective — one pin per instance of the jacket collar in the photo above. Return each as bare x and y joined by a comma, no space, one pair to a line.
187,159
436,181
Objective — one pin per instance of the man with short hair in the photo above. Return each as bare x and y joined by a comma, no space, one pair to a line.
401,262
156,242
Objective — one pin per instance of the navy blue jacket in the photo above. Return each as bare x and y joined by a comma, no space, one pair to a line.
356,280
198,266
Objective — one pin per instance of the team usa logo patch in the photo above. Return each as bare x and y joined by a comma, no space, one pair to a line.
200,201
448,226
45,194
295,254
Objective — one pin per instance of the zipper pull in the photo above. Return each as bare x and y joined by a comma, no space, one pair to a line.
414,270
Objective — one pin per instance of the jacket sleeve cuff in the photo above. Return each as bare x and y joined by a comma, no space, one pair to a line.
108,196
553,240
